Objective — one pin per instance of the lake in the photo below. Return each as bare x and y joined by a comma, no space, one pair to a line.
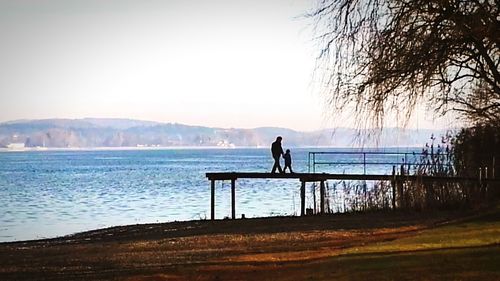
44,194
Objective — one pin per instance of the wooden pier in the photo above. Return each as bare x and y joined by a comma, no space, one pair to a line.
315,177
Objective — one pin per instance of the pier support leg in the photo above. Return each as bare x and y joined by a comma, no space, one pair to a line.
233,199
212,199
393,185
302,198
401,193
322,197
314,198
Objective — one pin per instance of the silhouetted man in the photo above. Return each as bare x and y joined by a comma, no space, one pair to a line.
277,151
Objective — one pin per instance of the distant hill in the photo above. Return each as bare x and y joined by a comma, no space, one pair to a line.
106,132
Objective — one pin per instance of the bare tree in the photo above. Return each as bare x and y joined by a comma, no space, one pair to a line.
390,55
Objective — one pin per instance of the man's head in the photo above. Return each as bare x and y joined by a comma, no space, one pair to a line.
279,138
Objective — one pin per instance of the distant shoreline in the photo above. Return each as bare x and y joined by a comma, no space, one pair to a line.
112,148
126,148
106,134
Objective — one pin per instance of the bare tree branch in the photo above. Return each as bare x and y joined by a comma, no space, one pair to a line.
383,55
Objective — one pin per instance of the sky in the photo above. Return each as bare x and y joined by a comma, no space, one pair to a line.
241,64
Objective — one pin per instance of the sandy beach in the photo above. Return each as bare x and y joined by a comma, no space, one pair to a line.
340,247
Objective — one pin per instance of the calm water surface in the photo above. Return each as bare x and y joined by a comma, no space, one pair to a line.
52,193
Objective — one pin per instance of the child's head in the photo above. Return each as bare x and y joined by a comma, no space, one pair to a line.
288,151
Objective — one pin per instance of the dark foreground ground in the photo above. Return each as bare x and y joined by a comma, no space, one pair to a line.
373,246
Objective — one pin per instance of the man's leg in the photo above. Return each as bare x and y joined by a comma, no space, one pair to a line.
279,166
276,165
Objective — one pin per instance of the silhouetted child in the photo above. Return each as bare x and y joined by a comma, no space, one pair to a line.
288,161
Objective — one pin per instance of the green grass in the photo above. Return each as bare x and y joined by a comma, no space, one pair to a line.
467,234
467,250
476,263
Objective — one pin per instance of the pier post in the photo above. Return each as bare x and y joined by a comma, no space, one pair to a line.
401,193
493,168
314,197
302,198
212,199
393,185
233,199
322,197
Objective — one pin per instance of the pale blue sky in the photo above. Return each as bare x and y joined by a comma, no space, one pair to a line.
214,63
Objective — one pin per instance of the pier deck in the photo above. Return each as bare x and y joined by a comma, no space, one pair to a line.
315,177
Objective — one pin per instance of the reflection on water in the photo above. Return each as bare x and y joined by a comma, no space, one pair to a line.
54,193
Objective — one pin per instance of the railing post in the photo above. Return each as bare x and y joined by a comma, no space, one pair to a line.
212,199
314,162
406,162
364,163
309,162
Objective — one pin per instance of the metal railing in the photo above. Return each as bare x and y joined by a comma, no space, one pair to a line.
404,160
